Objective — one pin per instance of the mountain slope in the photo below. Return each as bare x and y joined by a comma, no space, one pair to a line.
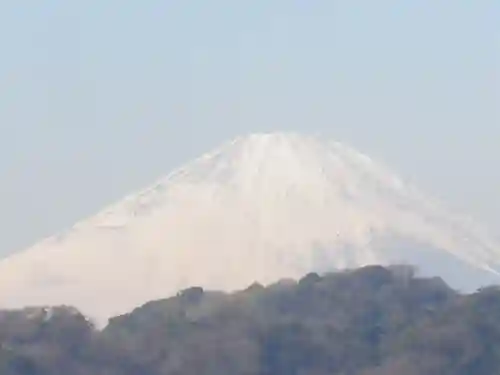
261,207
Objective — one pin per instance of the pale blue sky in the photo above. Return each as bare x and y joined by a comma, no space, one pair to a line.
100,98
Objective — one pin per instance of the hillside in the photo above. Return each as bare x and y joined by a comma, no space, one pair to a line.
369,321
262,207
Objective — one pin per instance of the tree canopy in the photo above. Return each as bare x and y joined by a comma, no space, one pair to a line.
369,321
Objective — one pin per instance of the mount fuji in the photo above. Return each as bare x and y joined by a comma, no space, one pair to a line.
258,209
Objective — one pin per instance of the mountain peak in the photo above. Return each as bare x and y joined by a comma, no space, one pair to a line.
259,208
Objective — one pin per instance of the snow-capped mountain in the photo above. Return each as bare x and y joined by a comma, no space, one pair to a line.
260,208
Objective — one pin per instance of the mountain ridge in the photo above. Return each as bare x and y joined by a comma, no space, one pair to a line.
258,208
368,321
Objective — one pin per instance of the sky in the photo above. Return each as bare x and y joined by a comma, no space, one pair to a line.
101,98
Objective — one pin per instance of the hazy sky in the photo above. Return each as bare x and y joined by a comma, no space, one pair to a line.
100,98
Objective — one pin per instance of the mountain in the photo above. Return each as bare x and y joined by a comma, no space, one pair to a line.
259,208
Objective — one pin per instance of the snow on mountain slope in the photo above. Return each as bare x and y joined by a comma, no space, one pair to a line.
260,208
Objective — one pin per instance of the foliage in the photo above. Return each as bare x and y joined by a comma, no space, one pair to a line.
369,321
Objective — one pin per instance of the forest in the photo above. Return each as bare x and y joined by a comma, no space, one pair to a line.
369,321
